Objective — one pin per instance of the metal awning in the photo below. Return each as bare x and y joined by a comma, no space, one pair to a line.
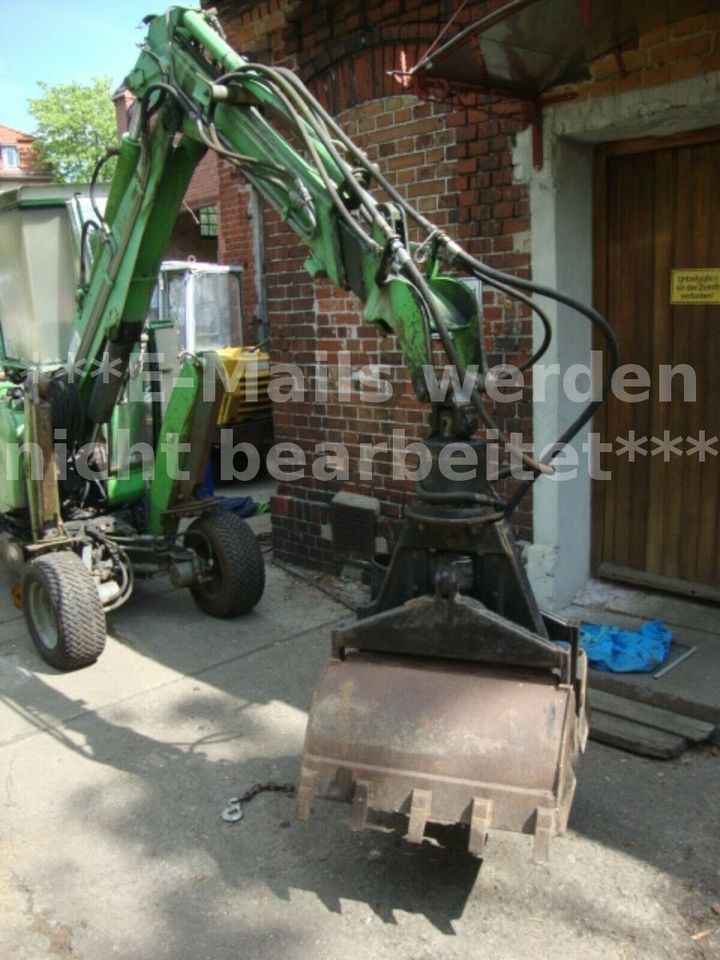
529,46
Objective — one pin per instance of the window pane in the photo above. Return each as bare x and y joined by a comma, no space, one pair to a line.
213,307
208,221
10,156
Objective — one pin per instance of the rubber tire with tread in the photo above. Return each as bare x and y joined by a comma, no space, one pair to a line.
73,601
239,578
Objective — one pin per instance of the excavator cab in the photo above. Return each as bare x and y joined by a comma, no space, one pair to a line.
196,308
39,270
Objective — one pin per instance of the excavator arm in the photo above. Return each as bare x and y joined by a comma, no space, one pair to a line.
194,92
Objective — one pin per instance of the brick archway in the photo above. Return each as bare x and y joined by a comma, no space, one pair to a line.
358,76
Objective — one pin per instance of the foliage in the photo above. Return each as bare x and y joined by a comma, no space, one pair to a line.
75,126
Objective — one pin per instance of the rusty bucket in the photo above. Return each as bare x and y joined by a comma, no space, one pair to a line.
446,742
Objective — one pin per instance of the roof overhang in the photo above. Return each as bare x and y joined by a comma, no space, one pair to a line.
528,47
46,195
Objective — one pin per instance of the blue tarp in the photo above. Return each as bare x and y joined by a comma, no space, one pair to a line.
615,650
242,506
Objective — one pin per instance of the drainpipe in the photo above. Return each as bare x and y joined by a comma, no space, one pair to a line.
262,328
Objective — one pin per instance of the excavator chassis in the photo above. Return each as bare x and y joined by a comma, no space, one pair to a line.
452,699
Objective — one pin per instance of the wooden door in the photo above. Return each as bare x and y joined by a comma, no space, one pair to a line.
657,209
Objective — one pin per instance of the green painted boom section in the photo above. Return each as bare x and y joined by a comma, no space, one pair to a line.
175,80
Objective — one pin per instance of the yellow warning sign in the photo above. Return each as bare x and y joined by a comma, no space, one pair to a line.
695,286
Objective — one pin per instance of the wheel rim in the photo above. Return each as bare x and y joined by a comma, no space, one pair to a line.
202,546
42,615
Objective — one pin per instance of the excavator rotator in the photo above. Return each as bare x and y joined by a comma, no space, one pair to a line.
452,698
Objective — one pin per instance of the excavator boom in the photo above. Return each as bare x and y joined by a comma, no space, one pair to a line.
452,698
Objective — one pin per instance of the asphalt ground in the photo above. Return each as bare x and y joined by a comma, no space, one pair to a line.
113,779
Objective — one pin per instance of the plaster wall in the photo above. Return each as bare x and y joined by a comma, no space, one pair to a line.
561,233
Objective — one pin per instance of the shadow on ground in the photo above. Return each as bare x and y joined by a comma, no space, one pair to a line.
183,791
184,756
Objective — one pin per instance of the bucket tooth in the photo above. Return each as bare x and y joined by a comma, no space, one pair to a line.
360,805
480,818
306,790
544,832
420,805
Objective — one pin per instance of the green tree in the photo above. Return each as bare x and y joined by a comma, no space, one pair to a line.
75,126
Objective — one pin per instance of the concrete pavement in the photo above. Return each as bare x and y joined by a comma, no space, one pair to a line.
692,686
112,781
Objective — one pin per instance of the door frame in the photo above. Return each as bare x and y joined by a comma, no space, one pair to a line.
602,153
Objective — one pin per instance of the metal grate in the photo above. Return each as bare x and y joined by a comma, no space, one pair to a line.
353,530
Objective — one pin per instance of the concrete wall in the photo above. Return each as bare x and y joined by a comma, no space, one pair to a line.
561,231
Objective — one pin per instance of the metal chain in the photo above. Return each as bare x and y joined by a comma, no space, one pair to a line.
267,787
234,811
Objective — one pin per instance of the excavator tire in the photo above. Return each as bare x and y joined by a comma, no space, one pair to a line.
63,610
238,569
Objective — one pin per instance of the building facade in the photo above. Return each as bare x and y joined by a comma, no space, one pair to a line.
618,200
18,160
196,228
195,234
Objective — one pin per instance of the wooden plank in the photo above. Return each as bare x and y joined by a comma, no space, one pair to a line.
696,731
631,225
661,326
692,236
599,422
635,737
639,414
709,400
658,522
657,582
620,148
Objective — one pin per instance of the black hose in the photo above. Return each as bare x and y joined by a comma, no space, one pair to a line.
414,275
84,233
112,152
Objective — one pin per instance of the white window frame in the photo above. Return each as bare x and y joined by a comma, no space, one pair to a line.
11,150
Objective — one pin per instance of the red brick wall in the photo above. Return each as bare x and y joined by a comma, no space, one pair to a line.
412,142
204,187
186,241
453,164
688,48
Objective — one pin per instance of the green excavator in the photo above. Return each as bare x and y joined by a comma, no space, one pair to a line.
452,698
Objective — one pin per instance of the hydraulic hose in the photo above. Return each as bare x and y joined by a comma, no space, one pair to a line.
315,127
